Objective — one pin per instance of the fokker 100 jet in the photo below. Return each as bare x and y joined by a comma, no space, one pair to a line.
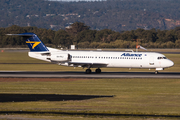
95,59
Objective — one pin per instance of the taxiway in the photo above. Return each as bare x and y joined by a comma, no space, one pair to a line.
22,74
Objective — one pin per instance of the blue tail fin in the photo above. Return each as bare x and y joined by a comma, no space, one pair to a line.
33,42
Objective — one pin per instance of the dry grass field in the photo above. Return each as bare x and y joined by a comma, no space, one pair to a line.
50,98
83,96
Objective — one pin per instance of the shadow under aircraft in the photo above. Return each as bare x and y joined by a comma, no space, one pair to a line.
45,97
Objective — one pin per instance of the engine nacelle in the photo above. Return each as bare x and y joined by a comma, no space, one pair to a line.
63,57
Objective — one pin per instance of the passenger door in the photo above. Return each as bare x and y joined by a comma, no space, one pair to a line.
151,61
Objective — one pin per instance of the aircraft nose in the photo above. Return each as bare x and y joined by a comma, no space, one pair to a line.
170,63
167,63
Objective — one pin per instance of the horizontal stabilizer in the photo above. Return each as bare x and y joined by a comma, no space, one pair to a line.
22,35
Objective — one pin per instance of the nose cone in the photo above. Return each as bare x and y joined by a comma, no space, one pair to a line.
169,63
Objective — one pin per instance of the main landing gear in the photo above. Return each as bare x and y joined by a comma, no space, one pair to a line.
88,71
98,70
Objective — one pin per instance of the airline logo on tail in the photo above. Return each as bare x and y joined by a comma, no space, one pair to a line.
34,43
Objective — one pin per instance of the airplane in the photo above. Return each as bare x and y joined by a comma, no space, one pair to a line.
95,59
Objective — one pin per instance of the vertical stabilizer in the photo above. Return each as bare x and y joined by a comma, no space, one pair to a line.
33,42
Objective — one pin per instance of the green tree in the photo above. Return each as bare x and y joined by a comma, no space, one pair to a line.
177,44
128,35
170,44
161,35
76,27
86,35
170,36
103,35
150,36
63,39
139,33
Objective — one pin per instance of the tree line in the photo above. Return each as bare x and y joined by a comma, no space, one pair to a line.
82,36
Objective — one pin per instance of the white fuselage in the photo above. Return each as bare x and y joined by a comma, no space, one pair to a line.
99,59
94,59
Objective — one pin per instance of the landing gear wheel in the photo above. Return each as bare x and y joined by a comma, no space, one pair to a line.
88,71
156,72
98,70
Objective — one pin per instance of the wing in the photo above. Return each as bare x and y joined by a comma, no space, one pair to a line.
89,65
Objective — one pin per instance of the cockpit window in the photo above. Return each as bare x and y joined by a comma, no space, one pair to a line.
161,58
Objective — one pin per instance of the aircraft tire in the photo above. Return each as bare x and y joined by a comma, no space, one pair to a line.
98,70
156,72
88,71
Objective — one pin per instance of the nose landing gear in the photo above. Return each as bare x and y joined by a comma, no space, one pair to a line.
156,72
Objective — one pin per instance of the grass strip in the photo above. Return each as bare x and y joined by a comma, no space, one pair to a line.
89,114
130,96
